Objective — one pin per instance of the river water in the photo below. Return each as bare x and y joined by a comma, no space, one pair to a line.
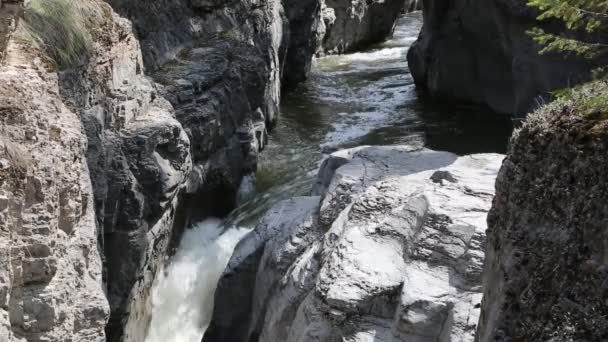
366,98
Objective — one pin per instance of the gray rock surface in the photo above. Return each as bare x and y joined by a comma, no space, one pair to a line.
156,127
139,160
50,265
306,31
351,25
233,311
478,51
386,254
9,18
412,5
545,277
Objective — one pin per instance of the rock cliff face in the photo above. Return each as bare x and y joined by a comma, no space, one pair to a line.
478,51
50,265
350,25
412,5
546,268
392,251
306,31
173,148
104,163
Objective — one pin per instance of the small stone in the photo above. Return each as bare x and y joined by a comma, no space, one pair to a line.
4,164
440,176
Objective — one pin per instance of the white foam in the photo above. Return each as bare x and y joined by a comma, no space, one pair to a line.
182,296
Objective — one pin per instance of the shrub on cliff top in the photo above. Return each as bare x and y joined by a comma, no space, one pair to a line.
582,16
590,100
57,28
590,16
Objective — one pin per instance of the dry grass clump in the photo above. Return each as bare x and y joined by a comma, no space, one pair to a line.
59,29
13,164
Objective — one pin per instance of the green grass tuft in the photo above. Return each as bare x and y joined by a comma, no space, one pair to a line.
265,179
589,99
57,27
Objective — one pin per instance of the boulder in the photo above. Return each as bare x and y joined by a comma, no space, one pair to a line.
479,52
385,254
352,25
545,276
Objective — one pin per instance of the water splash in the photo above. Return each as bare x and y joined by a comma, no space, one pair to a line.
182,297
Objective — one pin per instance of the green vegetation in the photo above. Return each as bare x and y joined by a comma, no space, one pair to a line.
588,16
590,99
265,179
582,18
232,35
57,27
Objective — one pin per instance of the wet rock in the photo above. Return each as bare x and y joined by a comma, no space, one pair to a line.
306,31
233,304
9,18
386,252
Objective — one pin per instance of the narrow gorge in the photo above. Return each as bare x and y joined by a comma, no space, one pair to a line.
296,171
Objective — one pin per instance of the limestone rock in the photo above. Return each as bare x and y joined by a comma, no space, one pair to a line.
387,254
104,164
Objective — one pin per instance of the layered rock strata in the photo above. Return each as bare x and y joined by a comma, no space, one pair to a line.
106,162
392,251
50,266
168,150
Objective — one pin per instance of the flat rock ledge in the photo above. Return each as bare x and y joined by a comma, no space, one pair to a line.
391,249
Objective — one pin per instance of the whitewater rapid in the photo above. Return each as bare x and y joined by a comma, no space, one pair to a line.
183,294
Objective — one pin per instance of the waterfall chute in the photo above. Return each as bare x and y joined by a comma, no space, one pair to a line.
182,295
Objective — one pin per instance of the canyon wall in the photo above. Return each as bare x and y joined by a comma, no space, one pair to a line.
105,162
478,51
412,5
546,267
50,265
351,25
392,250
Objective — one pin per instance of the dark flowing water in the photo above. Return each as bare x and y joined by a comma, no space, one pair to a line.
366,98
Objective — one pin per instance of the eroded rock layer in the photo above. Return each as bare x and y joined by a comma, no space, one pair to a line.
50,264
392,251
